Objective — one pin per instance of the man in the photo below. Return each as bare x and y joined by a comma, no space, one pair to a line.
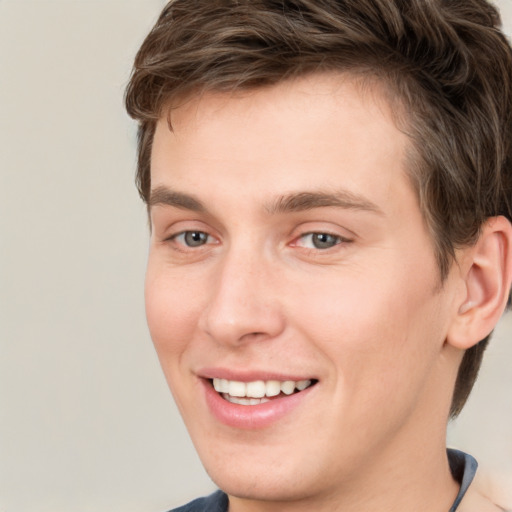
328,184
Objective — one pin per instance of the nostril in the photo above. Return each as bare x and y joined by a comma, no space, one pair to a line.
252,336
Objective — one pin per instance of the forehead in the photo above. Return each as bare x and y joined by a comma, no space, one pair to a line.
307,97
319,131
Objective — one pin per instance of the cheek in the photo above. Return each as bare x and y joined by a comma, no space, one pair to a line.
378,344
376,331
171,311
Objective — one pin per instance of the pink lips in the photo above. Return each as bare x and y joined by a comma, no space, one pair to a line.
251,417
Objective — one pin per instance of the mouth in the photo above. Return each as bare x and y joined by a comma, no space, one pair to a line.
256,401
259,391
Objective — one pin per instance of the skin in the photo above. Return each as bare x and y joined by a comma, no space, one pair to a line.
490,492
367,317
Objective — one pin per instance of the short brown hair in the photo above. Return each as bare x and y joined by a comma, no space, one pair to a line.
445,61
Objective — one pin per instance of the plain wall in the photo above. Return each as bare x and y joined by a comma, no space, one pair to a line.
86,420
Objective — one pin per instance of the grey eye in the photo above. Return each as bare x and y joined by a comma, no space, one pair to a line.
194,238
324,240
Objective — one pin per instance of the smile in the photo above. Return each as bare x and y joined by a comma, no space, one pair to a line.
254,401
258,391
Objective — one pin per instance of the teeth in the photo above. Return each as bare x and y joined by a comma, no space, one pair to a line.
224,385
303,384
273,388
257,389
288,387
237,388
245,401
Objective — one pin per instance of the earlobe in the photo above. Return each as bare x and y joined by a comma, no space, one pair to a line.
487,279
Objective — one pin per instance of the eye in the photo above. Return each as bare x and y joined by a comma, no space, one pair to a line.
319,240
192,238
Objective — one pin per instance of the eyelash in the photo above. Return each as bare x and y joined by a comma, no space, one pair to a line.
203,238
183,235
335,239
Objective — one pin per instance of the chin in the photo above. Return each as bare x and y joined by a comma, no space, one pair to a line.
261,480
257,487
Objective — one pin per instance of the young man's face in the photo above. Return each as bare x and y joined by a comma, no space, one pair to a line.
288,245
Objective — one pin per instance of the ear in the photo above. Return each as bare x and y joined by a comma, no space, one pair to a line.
487,273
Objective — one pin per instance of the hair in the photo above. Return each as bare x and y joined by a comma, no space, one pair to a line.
444,62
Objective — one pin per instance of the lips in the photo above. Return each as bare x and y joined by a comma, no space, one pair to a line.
256,403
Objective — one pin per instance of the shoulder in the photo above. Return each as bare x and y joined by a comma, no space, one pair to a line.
489,492
216,502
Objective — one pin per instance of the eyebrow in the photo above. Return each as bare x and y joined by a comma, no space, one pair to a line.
165,196
293,202
302,201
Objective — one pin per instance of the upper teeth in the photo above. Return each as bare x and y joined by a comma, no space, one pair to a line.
259,388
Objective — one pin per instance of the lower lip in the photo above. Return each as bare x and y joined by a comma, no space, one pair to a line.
252,417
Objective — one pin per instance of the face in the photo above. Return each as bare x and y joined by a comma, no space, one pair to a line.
292,291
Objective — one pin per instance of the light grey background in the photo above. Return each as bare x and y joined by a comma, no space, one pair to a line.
86,420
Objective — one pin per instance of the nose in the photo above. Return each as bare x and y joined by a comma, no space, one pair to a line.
243,305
